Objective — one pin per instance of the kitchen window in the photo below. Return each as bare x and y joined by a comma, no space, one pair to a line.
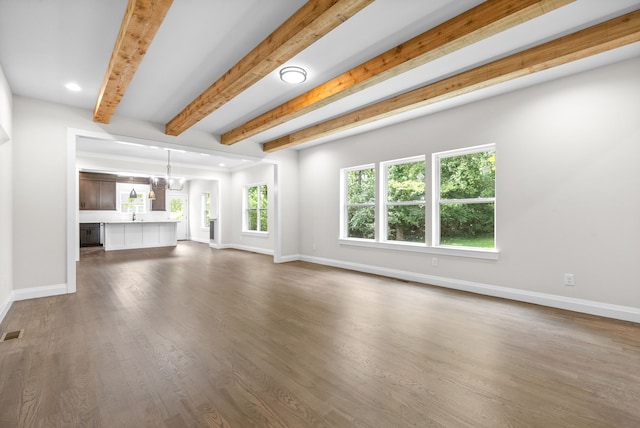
133,205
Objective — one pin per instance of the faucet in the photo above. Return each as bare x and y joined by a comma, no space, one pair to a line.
134,217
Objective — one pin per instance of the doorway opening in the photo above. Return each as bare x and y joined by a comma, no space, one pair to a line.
179,211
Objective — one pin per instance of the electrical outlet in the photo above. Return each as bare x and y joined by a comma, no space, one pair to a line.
569,279
434,261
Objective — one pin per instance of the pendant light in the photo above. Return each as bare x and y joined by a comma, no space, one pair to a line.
133,194
152,194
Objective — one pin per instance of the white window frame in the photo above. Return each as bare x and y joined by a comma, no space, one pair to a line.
384,203
245,211
205,208
344,216
436,202
432,189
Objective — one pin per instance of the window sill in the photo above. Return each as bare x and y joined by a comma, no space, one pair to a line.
254,233
475,253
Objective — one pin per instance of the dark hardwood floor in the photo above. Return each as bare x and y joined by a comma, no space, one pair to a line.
195,337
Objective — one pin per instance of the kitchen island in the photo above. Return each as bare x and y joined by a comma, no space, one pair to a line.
125,235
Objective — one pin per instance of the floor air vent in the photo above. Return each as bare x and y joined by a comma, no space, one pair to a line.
11,335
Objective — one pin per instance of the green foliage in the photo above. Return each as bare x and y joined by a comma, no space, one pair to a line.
361,222
406,223
466,220
477,241
361,186
468,176
361,190
206,209
406,183
257,204
176,208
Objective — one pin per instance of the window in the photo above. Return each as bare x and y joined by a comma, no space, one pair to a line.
128,205
256,208
464,198
385,205
358,217
205,204
404,206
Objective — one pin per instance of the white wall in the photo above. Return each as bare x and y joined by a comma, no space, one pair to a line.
287,203
6,194
567,180
262,174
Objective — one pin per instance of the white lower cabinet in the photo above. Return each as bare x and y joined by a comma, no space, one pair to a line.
142,234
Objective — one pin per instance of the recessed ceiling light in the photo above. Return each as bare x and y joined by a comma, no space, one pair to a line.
74,87
220,164
293,74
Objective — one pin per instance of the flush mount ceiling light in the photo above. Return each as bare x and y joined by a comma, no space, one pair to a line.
74,87
293,74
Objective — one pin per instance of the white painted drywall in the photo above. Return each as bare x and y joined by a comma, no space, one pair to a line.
286,189
567,183
6,194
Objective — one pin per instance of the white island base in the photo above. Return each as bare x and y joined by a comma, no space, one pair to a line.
139,234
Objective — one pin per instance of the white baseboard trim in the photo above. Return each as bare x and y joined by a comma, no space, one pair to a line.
37,292
30,293
203,241
291,258
251,249
625,313
5,306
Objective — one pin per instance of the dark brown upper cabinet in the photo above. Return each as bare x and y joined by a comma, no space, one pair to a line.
97,191
159,187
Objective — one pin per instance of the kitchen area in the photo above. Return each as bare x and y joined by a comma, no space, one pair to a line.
119,212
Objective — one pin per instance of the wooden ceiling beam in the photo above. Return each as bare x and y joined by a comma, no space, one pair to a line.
480,22
608,35
312,21
141,21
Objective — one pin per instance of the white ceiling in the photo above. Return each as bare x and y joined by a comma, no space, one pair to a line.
45,44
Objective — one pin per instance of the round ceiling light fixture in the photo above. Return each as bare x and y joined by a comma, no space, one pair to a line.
73,87
293,74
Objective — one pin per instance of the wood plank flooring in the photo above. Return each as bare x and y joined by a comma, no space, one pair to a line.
195,337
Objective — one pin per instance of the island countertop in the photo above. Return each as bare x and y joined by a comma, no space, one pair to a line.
138,221
123,234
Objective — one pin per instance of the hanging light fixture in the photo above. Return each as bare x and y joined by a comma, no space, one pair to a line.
152,194
133,194
172,184
293,74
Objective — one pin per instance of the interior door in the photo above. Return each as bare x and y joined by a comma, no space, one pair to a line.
178,210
